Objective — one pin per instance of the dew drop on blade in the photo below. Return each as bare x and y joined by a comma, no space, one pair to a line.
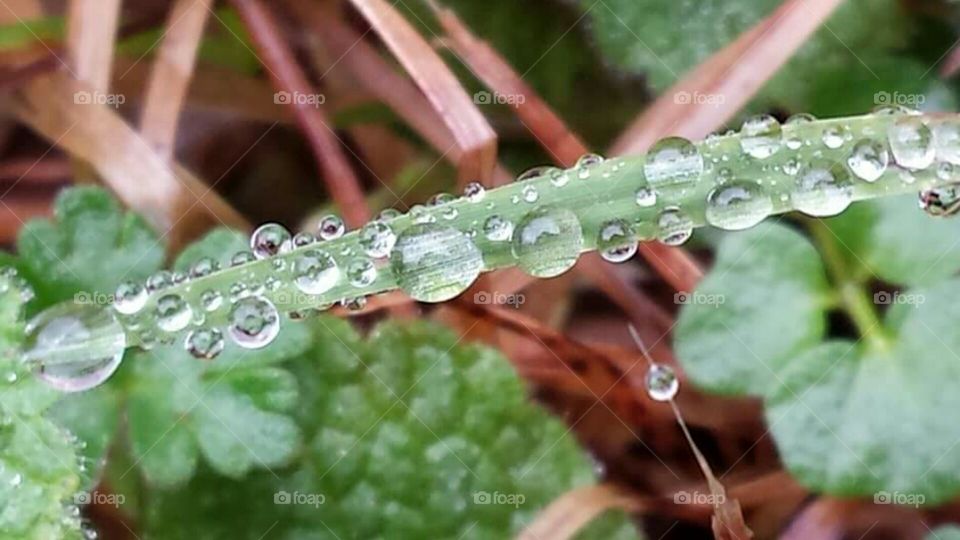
868,160
547,241
737,206
911,143
331,227
173,313
674,227
497,229
129,298
823,189
661,383
205,343
315,271
761,136
254,322
946,137
377,239
673,160
361,273
434,263
616,241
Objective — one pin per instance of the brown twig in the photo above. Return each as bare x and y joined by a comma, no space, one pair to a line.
91,33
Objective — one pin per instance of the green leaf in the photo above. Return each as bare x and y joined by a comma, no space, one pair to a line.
763,302
850,420
409,432
88,248
945,532
899,244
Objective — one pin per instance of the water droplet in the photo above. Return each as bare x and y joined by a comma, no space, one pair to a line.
173,314
673,160
159,281
868,160
270,239
834,137
434,263
822,189
791,166
331,227
941,201
211,300
205,343
800,119
911,143
74,347
315,271
419,214
203,267
587,161
661,382
254,322
535,172
388,213
497,229
548,241
737,206
377,239
646,197
474,192
242,257
130,298
616,241
674,227
761,136
945,171
946,136
890,110
303,239
16,480
356,303
559,178
530,194
361,272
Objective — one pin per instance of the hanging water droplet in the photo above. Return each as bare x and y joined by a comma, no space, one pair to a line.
315,271
361,272
761,136
303,239
205,343
74,347
946,137
673,160
737,206
270,239
868,160
356,303
497,229
911,143
129,298
159,281
834,136
645,197
377,239
941,201
254,322
211,300
434,263
242,257
331,227
474,192
674,227
530,194
616,241
822,189
173,313
203,267
662,383
548,241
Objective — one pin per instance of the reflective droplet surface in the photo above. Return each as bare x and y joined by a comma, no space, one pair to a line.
173,313
159,281
497,229
74,347
242,257
911,143
203,267
674,227
946,137
474,192
205,343
645,197
361,272
129,298
737,206
303,239
761,136
673,160
315,271
377,239
331,227
547,241
868,160
616,241
661,382
822,189
254,322
434,263
834,137
211,300
941,201
270,239
530,194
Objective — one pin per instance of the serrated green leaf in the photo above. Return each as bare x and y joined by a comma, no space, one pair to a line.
763,302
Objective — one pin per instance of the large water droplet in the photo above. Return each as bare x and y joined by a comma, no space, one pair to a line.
331,227
868,160
946,137
616,241
361,273
130,298
911,143
674,227
74,347
377,239
434,263
205,343
315,271
673,160
761,136
173,313
547,241
737,206
254,322
661,383
822,189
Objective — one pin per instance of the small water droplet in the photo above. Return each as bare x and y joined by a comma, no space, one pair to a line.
497,229
388,213
331,227
242,257
911,143
377,239
822,189
159,281
130,298
737,206
474,192
646,197
661,382
616,241
868,160
559,178
270,239
434,263
211,300
530,194
254,322
799,119
674,227
941,201
203,267
315,271
548,241
205,343
673,160
303,239
945,171
834,136
420,214
791,166
535,172
173,313
588,161
761,136
361,272
356,303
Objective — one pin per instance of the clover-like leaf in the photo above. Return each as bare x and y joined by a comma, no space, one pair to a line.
763,302
849,418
